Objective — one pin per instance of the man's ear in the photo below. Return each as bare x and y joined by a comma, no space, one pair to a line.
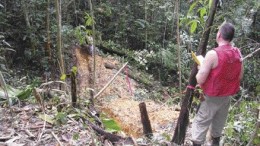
219,35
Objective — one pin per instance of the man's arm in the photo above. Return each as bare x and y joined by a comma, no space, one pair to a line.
209,63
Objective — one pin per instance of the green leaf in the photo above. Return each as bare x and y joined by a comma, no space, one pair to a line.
89,31
202,11
63,77
61,118
75,136
74,69
193,26
256,141
46,118
110,125
192,7
25,93
89,21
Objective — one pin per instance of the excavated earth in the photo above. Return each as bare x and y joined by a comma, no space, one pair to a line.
118,100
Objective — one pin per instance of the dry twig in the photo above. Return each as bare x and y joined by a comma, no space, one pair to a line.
55,136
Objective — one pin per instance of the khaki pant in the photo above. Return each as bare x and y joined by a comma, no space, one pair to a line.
212,113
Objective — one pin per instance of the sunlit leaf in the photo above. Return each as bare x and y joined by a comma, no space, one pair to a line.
192,7
74,69
63,77
61,118
46,118
110,125
193,26
202,11
24,94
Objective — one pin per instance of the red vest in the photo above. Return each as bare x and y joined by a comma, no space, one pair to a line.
224,79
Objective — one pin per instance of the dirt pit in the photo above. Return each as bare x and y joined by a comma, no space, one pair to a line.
118,99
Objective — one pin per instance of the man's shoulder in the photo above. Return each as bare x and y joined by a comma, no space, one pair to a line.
211,53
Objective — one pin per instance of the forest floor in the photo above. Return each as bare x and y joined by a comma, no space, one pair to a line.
25,125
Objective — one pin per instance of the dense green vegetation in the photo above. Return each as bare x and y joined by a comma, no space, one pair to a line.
145,31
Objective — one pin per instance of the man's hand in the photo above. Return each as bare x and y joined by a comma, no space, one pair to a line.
200,58
199,93
201,98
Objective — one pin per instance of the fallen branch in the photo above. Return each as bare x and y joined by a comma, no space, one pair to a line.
43,130
5,138
251,54
112,137
55,136
40,126
137,77
107,50
112,79
29,133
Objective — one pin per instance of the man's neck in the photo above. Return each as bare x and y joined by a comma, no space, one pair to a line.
222,43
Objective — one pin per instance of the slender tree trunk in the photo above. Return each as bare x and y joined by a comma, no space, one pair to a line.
73,89
76,13
164,32
183,120
177,5
145,18
59,40
28,24
94,53
48,43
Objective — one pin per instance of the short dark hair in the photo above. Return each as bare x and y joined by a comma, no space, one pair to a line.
227,31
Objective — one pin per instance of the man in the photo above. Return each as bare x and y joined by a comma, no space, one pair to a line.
219,77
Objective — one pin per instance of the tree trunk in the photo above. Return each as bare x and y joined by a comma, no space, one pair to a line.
94,55
59,40
73,89
28,24
134,75
183,120
48,43
147,128
178,42
146,21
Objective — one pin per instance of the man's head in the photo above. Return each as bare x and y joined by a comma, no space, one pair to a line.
226,32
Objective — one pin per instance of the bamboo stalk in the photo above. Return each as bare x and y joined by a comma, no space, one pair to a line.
111,80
